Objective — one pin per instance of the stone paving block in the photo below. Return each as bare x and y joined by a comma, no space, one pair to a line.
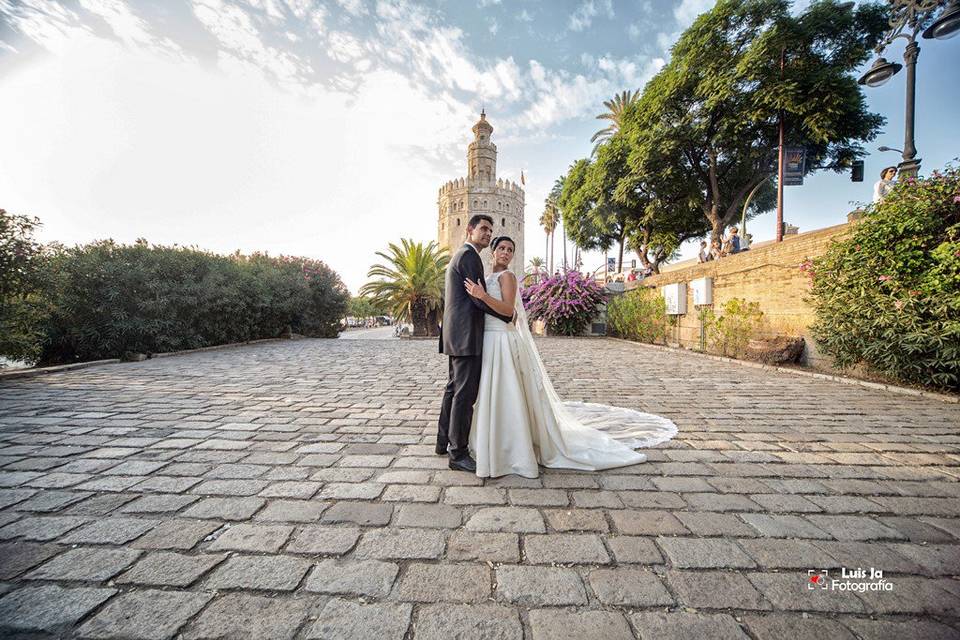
484,622
789,591
788,503
293,489
448,478
628,587
634,550
230,487
916,530
484,547
474,495
720,502
538,497
950,525
43,529
237,471
717,590
700,553
866,554
401,544
576,520
552,624
682,484
846,504
680,625
404,477
913,596
553,479
225,508
775,626
714,524
48,608
85,563
169,569
934,559
461,583
51,500
176,534
17,557
10,497
649,523
344,620
267,573
134,468
354,577
651,500
855,528
149,614
292,510
110,531
342,475
324,540
507,519
900,630
165,484
249,617
777,526
411,493
565,549
161,503
359,513
596,500
253,538
350,491
540,586
431,516
624,483
786,554
57,480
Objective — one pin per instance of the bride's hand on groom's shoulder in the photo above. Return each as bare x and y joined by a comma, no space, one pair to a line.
474,288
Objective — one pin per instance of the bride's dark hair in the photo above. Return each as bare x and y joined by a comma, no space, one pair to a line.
499,239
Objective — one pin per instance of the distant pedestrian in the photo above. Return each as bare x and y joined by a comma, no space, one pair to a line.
706,255
745,242
632,276
883,186
732,244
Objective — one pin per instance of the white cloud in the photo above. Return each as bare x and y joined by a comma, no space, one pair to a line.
493,26
46,22
343,47
483,4
688,10
583,17
354,7
524,16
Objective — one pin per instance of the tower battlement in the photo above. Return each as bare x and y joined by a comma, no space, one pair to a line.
481,191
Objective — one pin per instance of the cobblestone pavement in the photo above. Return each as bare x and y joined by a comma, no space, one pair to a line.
288,490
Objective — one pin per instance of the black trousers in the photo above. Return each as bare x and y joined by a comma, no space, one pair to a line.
456,412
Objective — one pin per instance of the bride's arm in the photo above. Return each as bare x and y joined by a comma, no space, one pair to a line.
508,287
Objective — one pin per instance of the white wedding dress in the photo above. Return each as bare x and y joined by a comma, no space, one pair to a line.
519,421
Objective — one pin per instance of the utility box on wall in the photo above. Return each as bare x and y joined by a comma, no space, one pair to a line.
702,291
675,295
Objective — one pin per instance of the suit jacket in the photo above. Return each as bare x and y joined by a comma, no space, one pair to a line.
461,333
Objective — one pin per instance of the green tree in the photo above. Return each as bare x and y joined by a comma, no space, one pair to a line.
362,307
21,276
548,220
410,283
705,131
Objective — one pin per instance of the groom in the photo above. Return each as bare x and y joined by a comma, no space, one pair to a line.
461,338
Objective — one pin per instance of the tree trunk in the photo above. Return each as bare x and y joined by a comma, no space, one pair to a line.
421,323
546,255
623,238
552,264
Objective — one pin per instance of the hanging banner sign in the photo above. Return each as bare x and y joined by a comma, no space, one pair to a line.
794,161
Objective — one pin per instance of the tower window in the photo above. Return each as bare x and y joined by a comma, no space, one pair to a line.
503,222
458,222
476,204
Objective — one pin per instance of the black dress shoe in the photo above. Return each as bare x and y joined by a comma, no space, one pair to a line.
466,463
441,449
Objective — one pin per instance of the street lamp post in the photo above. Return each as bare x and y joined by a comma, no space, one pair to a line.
907,19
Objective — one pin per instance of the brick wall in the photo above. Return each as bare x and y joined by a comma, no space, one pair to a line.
768,274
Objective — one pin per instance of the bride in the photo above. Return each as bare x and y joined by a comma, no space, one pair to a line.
519,421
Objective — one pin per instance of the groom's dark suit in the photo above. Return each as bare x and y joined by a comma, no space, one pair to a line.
461,338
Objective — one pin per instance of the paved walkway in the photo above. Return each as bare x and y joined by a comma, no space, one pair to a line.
288,490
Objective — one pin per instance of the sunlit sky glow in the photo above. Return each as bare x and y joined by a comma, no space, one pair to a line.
324,129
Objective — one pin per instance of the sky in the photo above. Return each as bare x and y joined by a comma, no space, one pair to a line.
325,128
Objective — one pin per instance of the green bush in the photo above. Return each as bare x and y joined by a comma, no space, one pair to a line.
104,299
639,315
729,333
888,296
21,305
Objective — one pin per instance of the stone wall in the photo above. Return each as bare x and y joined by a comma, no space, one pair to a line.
769,274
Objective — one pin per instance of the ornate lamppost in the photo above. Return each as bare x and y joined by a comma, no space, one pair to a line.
907,18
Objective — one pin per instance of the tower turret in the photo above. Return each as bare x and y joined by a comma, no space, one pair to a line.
482,153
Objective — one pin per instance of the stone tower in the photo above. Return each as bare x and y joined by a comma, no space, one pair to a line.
481,192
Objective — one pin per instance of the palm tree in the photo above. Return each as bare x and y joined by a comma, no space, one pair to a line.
614,113
535,267
548,220
410,283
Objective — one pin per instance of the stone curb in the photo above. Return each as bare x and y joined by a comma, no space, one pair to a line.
42,371
907,391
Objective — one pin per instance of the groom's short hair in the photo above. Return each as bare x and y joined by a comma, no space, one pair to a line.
476,218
